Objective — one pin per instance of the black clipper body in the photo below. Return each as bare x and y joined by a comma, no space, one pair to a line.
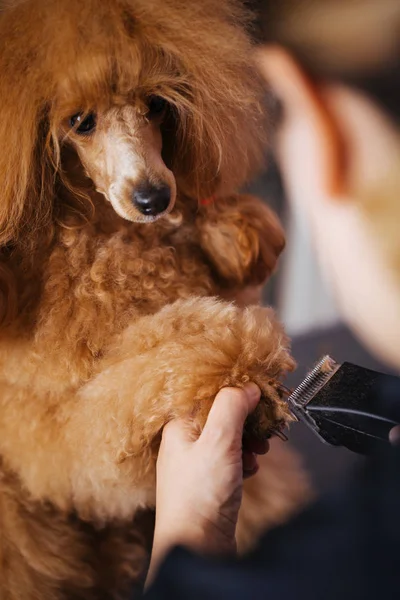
346,405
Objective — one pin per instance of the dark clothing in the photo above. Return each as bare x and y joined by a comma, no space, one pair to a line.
346,546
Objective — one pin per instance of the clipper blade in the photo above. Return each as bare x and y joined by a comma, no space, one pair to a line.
342,405
312,384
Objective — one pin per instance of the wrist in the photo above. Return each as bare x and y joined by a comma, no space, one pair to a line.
166,538
202,536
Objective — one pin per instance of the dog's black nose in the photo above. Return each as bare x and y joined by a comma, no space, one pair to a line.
152,201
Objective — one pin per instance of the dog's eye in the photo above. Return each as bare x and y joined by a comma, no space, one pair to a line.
157,106
82,123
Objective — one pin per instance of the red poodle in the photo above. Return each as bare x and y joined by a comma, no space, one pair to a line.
126,126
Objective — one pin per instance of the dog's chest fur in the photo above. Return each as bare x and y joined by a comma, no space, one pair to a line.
98,278
92,282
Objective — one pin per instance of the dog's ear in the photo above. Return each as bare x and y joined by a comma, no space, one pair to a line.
221,122
242,238
220,143
8,294
26,175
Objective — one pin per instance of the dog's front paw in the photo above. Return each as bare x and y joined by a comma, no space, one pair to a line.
172,365
270,417
242,238
242,346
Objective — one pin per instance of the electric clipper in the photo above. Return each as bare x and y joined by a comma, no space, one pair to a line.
346,405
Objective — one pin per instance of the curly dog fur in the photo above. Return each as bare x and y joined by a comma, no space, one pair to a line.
110,322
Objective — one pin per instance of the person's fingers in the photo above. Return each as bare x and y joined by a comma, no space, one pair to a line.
394,436
250,464
225,421
228,413
253,394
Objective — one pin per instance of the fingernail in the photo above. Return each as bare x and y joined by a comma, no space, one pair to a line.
252,391
394,436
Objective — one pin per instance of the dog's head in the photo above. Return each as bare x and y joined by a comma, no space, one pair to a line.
121,151
120,146
155,97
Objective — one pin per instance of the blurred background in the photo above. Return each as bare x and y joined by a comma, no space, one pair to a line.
304,303
301,296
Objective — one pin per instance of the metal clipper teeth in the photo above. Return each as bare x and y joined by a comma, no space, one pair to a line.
314,381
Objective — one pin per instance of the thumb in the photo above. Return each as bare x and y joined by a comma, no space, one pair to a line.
228,414
178,432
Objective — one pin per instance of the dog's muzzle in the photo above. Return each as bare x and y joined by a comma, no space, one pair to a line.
151,201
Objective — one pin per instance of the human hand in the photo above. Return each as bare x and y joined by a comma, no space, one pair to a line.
199,481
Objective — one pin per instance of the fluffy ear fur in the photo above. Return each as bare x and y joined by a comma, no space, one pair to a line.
218,117
26,175
24,172
26,193
243,239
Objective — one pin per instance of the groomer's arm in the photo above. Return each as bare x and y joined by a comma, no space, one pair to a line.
203,517
345,546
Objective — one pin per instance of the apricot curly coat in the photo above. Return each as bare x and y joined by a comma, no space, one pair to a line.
112,326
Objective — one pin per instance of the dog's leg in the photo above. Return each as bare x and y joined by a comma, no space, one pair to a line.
242,238
95,450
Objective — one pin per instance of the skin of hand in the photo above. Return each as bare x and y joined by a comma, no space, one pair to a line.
395,435
199,481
